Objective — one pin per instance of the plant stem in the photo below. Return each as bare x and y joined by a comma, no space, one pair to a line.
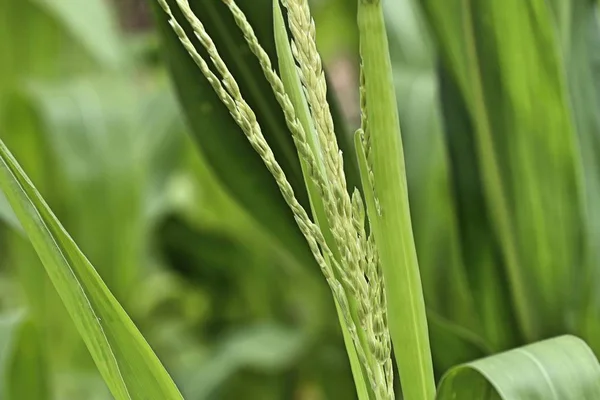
392,226
293,87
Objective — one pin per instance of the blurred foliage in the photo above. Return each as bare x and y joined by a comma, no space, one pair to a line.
191,235
89,114
23,366
223,145
501,169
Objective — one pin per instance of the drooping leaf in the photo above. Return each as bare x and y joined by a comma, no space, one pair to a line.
563,368
124,359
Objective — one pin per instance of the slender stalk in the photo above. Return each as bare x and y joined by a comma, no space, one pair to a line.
293,87
392,225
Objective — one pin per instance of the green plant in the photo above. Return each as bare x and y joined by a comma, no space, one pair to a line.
493,279
329,197
371,269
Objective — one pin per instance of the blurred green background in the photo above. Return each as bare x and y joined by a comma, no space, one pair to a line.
161,192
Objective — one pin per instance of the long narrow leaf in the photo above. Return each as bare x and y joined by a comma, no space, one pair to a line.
505,57
580,56
126,362
391,224
436,226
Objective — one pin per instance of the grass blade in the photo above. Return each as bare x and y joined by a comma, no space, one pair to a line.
479,245
126,362
562,368
392,226
526,148
435,222
434,211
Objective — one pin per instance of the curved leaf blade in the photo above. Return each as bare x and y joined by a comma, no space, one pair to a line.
562,368
124,359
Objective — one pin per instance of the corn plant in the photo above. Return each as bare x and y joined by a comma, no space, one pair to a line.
362,241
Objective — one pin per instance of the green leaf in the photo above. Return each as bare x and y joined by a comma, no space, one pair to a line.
433,207
87,143
22,22
582,66
391,224
504,57
562,368
486,273
23,366
124,359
